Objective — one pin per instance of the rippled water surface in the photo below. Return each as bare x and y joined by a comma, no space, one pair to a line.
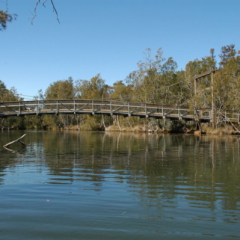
87,185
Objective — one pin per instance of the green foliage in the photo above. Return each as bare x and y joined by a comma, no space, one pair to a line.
152,82
227,86
227,52
121,92
7,95
63,89
93,89
156,81
5,18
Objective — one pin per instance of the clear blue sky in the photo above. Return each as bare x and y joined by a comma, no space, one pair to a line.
108,37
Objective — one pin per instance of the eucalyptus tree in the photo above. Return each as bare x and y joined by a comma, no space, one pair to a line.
227,85
7,95
62,89
152,79
94,89
121,91
227,52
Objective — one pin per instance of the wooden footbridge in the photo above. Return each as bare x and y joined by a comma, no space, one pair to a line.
110,108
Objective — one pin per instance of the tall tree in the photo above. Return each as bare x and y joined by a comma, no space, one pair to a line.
63,89
152,79
93,89
227,52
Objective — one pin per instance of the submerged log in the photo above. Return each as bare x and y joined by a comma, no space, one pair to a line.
17,140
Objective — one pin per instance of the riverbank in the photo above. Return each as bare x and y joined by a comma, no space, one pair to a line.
205,129
144,128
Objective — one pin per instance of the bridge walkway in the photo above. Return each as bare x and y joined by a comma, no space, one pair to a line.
110,108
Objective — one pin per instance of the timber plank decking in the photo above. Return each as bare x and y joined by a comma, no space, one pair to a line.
142,110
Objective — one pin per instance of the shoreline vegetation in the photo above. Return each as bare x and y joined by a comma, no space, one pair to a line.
190,129
155,81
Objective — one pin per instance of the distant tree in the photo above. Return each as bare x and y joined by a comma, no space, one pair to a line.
121,91
3,90
93,89
227,52
62,89
227,86
150,83
212,51
7,95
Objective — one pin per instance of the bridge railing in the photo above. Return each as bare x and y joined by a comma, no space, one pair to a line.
23,108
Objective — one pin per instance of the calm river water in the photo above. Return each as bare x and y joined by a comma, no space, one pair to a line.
91,185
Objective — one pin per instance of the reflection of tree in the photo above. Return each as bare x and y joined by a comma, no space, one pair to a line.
9,158
158,169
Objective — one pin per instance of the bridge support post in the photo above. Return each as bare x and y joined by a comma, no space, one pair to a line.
211,72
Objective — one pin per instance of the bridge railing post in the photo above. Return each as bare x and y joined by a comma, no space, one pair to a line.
92,108
74,106
57,108
19,109
179,114
38,108
111,108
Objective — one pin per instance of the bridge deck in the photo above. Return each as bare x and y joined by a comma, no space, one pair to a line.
142,110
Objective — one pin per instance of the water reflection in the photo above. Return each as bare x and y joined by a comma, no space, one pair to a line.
198,167
168,175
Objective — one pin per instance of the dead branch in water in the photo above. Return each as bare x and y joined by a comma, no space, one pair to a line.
17,140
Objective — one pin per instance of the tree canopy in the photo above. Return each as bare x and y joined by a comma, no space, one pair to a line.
156,81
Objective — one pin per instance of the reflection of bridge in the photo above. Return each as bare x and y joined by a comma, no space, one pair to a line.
142,110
